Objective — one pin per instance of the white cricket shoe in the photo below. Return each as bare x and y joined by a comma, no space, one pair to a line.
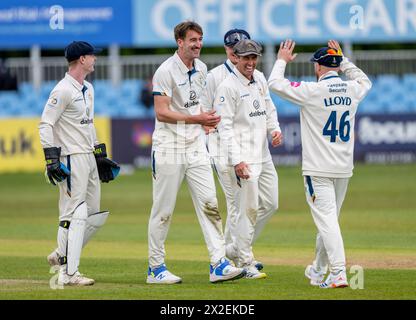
253,273
224,271
316,278
161,275
75,280
53,258
337,280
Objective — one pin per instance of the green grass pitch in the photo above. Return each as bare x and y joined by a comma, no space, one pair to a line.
378,223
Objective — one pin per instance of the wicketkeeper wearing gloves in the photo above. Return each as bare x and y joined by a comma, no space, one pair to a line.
75,161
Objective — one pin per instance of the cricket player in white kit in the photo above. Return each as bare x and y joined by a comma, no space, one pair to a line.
179,152
219,157
248,117
75,161
327,116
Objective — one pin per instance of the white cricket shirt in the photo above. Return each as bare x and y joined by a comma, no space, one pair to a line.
327,117
248,116
67,119
214,79
184,87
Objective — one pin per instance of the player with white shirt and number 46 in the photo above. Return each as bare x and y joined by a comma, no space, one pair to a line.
327,116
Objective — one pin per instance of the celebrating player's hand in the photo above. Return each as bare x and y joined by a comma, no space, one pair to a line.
242,170
209,119
286,51
277,138
335,45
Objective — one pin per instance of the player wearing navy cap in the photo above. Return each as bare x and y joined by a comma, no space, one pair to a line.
327,116
75,161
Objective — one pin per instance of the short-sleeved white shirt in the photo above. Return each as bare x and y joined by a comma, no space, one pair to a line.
184,87
70,112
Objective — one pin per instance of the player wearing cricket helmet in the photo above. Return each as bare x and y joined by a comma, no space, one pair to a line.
327,116
75,161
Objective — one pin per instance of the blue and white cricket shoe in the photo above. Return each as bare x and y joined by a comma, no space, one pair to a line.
224,271
253,273
161,275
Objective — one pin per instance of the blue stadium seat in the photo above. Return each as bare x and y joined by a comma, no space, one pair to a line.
390,94
409,81
46,89
26,88
387,83
369,107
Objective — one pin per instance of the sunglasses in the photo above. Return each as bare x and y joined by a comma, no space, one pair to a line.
329,52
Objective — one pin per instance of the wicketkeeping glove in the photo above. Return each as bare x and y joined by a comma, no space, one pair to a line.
55,170
107,169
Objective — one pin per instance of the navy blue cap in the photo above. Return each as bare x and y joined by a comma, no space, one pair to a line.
328,57
232,36
77,49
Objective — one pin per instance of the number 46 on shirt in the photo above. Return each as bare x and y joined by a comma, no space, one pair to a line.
332,129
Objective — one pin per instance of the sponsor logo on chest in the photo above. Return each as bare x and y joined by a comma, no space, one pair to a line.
192,100
257,113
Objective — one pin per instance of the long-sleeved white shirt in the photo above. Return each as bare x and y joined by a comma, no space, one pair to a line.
248,116
184,87
214,79
327,116
68,118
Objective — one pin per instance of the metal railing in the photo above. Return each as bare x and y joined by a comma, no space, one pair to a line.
143,66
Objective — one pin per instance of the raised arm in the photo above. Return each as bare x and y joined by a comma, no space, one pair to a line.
352,72
295,92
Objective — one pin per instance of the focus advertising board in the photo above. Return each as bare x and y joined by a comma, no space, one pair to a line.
378,139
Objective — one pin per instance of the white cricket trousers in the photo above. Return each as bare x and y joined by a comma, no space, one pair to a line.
82,185
82,189
325,197
168,171
230,186
257,202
